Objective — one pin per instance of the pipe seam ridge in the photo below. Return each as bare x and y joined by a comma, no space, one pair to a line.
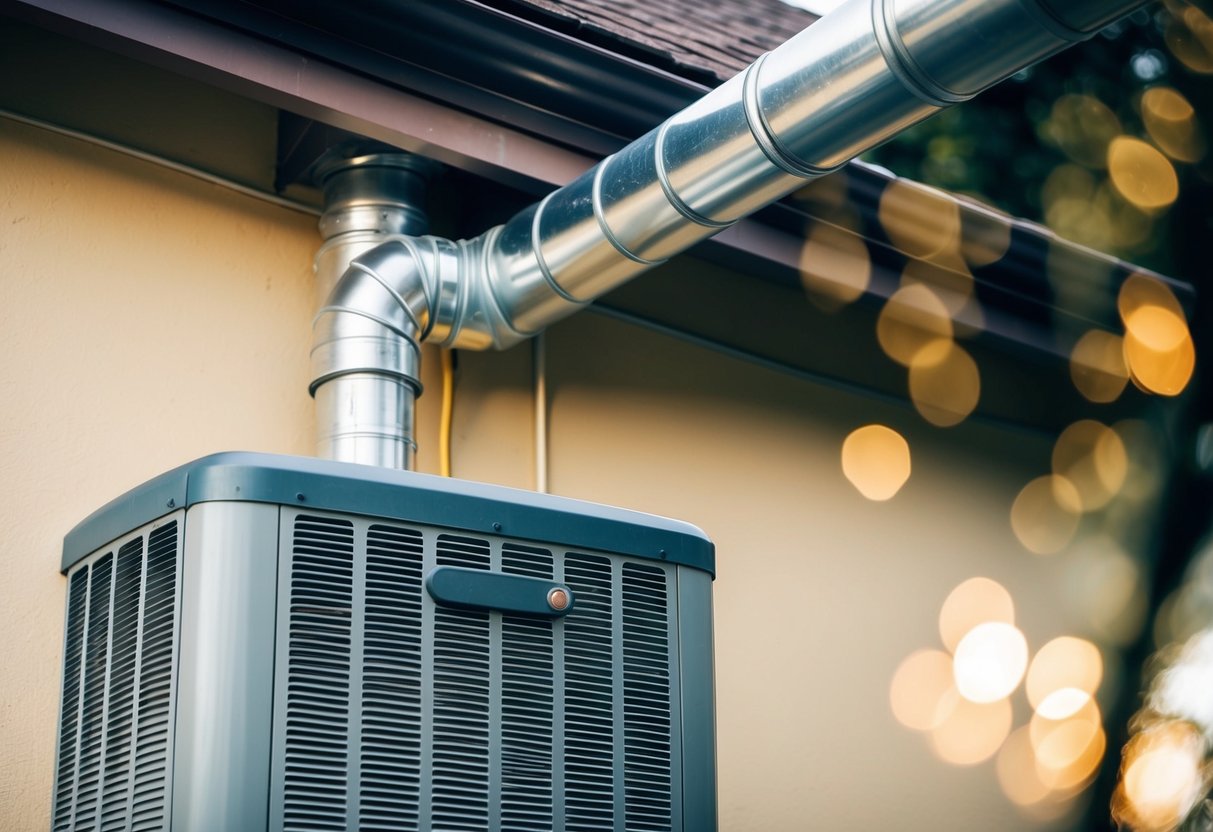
765,137
600,217
475,258
544,268
667,187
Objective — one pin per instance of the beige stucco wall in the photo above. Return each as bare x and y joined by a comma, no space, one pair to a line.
146,319
149,318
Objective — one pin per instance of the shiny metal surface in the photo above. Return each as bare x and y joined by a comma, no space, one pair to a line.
380,192
365,349
858,76
376,420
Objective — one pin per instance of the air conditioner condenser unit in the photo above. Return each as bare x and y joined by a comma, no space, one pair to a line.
266,642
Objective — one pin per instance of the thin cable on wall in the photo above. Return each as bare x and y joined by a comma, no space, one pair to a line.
448,412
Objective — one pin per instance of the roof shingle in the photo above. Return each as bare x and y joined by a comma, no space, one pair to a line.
707,40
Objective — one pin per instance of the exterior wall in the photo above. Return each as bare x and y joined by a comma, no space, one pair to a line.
149,319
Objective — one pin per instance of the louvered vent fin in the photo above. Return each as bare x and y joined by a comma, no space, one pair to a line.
527,702
149,800
69,715
390,778
589,696
646,699
120,729
96,665
112,769
460,784
318,675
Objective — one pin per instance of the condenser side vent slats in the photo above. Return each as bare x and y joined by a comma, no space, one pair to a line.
391,682
112,768
121,723
589,712
646,698
527,704
318,675
461,701
395,713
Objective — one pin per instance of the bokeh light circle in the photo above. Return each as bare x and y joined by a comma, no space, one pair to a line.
876,460
975,601
990,662
1045,515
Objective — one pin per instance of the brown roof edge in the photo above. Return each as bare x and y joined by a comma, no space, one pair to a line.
704,40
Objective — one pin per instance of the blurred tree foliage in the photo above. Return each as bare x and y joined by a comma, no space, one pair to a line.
1038,146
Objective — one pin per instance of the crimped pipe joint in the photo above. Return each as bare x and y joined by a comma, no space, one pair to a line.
366,354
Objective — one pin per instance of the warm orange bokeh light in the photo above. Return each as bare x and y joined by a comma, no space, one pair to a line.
1093,458
920,221
1016,769
975,601
834,266
985,235
1045,514
945,384
990,662
1164,372
1141,174
1162,777
1068,750
1140,290
1063,676
911,319
876,460
1097,366
1158,347
921,694
972,732
1171,122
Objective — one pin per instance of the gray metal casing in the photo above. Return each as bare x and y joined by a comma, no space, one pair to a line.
304,679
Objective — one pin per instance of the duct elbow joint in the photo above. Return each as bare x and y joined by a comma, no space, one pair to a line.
366,353
375,317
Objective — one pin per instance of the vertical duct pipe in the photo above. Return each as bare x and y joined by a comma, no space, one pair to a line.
854,79
366,396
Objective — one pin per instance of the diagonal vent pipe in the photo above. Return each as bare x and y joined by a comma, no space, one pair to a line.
852,80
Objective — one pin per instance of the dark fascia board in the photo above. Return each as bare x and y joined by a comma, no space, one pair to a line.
529,107
404,496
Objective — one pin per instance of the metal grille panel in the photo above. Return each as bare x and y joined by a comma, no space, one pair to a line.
404,715
391,682
462,670
318,674
527,703
119,657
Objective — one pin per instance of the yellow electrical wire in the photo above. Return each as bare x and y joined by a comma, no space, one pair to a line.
448,412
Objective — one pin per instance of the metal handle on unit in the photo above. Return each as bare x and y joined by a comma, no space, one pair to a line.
478,589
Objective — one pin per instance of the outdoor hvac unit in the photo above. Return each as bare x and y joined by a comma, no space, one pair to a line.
262,642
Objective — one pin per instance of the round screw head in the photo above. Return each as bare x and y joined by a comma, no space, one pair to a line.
559,598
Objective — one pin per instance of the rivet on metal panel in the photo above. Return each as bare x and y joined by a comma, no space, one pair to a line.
300,497
558,598
496,527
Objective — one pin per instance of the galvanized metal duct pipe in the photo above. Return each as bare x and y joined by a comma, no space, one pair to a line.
854,79
371,377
